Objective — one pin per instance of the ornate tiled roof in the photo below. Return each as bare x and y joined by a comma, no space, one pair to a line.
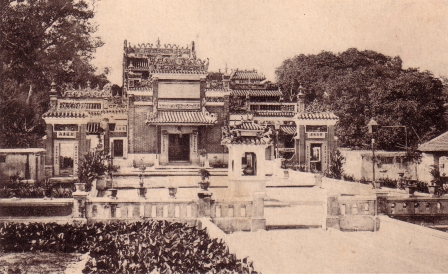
250,126
181,117
247,74
179,71
288,130
439,143
62,113
316,116
108,111
256,92
274,113
217,89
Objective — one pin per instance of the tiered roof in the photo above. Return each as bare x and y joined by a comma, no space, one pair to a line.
247,75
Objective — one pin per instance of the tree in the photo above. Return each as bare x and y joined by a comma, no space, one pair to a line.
42,41
360,85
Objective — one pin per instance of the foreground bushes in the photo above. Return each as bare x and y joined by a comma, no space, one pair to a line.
139,247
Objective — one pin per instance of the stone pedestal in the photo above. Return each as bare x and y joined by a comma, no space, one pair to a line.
381,199
79,204
258,220
204,203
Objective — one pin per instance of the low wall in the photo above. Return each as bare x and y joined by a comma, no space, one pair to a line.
238,214
351,213
43,209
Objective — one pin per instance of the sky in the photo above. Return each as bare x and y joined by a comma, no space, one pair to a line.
251,34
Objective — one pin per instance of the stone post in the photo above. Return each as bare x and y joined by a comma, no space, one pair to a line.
332,212
381,202
318,180
204,204
79,205
258,220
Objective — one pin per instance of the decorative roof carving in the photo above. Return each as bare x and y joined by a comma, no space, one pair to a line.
88,92
167,59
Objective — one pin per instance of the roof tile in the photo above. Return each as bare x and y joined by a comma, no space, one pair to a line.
183,117
439,143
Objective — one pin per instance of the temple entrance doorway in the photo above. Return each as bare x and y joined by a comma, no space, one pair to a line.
179,148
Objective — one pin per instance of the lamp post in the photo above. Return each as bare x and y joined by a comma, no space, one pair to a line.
373,125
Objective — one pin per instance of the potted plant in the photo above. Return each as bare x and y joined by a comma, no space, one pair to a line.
205,175
435,181
95,165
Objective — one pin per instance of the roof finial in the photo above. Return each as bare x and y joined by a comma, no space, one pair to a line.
226,67
158,42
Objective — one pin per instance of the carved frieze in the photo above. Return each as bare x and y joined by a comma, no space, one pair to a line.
177,105
79,105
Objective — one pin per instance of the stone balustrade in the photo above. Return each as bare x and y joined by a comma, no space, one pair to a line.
416,206
352,212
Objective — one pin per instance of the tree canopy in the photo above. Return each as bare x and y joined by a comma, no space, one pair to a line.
42,41
360,85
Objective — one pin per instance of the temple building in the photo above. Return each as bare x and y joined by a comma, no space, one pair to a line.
174,112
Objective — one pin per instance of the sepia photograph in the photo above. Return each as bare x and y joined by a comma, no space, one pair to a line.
208,136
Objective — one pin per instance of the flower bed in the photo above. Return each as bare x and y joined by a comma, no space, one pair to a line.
139,247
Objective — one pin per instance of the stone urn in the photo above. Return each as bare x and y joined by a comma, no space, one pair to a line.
410,189
80,187
248,170
432,189
101,183
204,185
114,192
377,184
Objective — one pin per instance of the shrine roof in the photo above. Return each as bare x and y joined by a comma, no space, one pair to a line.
439,143
182,117
288,130
317,116
62,113
247,74
256,92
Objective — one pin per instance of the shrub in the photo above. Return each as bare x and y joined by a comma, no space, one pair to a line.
336,169
388,182
348,178
140,247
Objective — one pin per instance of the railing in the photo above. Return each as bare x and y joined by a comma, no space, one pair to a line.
416,206
110,209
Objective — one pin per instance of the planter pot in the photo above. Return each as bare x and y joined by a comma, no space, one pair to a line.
108,183
202,160
141,192
204,185
101,182
432,189
248,171
377,185
172,191
80,187
114,192
411,189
